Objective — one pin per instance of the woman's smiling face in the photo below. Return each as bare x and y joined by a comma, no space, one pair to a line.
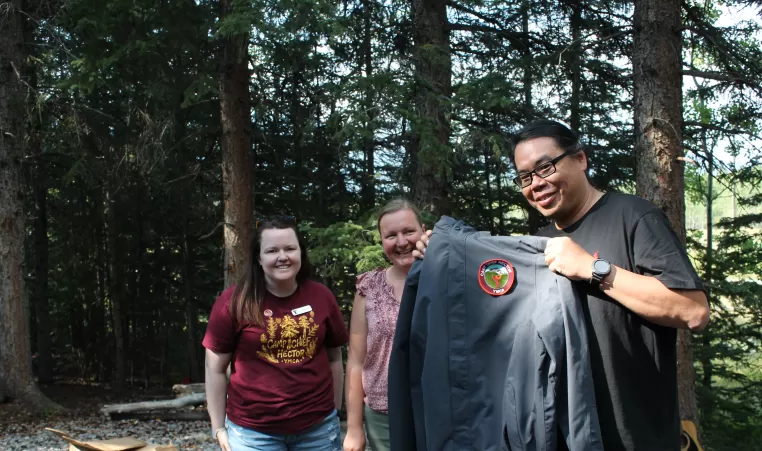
400,230
280,255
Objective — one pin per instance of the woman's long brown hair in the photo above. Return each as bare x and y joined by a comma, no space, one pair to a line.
246,303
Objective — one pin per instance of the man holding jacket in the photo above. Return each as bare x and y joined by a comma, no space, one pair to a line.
639,283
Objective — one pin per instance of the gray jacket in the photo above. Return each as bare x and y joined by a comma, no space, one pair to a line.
490,351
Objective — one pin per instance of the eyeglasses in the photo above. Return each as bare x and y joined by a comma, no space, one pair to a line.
542,170
287,219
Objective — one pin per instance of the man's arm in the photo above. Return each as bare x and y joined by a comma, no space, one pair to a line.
651,299
646,296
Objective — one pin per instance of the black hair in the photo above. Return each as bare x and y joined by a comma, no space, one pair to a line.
564,137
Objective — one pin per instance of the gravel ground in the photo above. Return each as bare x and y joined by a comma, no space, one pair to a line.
31,435
21,430
191,435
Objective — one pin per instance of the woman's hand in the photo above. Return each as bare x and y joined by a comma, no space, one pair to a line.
422,244
355,440
222,439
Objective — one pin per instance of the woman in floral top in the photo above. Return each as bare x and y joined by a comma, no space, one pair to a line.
374,318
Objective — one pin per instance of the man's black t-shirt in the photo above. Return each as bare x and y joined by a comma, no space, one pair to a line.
634,361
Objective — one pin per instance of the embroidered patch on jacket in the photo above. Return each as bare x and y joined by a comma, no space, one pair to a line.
496,276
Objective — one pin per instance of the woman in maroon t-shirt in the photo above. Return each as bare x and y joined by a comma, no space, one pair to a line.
283,335
374,318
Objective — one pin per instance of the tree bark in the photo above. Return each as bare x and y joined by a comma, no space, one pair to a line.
237,161
657,102
430,146
116,292
16,378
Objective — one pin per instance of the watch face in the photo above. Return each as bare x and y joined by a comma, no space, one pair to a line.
601,266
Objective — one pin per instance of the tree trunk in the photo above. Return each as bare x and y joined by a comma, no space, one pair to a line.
575,21
706,361
40,289
297,125
430,146
176,403
500,170
181,390
657,102
42,345
369,171
237,161
116,292
535,220
487,152
99,313
526,54
16,378
190,307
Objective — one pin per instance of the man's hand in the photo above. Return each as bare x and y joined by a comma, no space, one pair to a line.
422,244
355,440
567,258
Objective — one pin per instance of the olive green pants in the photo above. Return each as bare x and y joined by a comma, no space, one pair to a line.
377,430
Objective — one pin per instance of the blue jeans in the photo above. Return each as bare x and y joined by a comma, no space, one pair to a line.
324,436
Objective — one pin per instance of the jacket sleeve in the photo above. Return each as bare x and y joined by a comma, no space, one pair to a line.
579,422
401,423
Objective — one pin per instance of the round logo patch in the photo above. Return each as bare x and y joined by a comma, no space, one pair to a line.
496,276
268,313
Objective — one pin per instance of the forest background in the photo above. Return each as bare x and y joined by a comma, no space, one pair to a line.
138,139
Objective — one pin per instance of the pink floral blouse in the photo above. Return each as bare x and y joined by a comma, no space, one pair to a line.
381,311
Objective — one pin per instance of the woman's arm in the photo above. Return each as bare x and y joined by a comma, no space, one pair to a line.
216,390
337,369
358,336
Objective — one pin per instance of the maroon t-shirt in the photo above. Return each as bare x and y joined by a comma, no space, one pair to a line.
280,381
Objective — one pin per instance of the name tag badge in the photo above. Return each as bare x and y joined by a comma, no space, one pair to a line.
301,310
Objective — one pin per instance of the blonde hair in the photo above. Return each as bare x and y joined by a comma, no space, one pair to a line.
396,205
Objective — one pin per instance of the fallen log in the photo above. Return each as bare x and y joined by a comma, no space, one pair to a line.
196,415
188,389
190,400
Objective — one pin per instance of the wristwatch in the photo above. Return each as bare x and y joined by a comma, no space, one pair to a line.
601,269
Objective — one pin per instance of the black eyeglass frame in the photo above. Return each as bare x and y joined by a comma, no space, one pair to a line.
552,162
285,218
